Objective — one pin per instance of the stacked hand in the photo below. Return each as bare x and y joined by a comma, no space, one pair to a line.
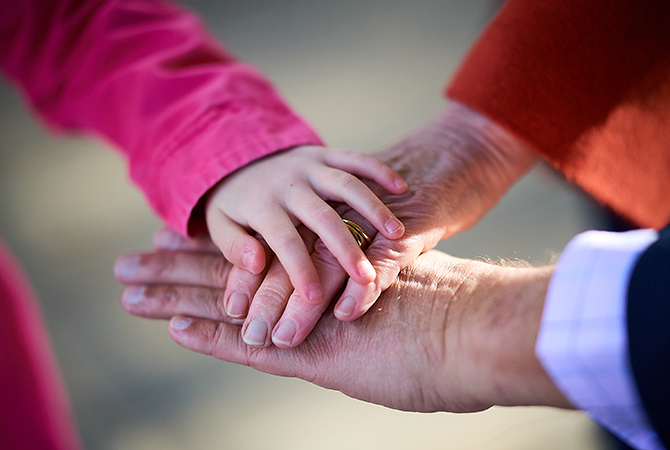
447,335
271,196
457,167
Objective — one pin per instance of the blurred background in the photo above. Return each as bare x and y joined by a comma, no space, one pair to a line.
364,72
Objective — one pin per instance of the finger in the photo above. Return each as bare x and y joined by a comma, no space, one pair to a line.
166,301
369,167
209,338
223,341
289,247
322,219
299,317
194,269
270,299
267,306
168,239
388,258
235,243
242,287
342,186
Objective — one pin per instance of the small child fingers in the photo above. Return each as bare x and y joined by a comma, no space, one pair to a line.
290,248
323,220
242,285
367,166
344,187
235,243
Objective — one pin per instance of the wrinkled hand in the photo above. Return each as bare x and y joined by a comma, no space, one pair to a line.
273,195
448,335
457,167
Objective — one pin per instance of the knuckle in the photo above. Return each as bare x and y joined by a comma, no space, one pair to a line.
162,267
166,296
255,357
323,214
376,164
346,180
215,300
219,271
325,260
271,297
215,338
358,157
339,178
288,239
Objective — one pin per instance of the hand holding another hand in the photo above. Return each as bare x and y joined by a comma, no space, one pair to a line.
273,195
447,335
457,166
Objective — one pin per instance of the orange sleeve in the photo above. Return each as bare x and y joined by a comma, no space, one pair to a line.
587,85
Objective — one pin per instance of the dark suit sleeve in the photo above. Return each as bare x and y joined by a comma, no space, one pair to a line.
649,332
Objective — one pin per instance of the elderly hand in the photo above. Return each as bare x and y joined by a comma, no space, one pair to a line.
457,167
448,335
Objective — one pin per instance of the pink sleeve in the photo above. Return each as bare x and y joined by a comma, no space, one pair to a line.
145,75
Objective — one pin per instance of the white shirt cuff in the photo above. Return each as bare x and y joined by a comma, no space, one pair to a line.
583,340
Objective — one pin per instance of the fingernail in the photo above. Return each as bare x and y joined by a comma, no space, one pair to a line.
180,323
393,226
366,270
126,266
285,332
400,183
255,333
314,293
237,305
134,294
346,307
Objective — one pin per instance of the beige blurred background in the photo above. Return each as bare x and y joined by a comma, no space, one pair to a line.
364,72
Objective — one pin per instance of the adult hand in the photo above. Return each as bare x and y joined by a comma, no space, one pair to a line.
448,335
457,166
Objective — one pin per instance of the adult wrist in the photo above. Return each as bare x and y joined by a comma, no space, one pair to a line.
502,157
498,331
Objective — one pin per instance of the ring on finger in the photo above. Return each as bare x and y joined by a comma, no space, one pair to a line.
362,239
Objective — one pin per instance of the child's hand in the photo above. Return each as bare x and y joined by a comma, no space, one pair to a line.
273,195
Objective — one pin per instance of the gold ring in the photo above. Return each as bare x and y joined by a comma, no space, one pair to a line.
362,239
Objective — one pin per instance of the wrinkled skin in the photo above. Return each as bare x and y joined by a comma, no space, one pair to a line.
273,194
457,167
448,335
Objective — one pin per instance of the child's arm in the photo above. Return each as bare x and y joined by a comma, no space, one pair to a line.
272,195
146,76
